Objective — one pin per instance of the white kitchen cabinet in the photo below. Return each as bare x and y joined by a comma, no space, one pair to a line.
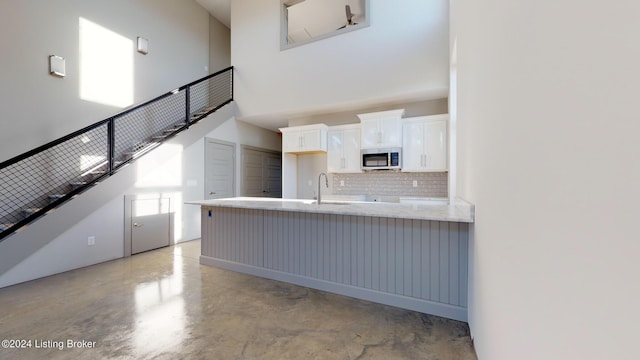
424,144
304,139
381,129
343,154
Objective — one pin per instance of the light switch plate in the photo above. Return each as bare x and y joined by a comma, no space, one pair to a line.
57,66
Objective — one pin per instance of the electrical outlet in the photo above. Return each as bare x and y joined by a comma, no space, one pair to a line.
415,183
341,182
91,240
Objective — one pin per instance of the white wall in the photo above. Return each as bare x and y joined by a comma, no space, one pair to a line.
219,45
548,152
403,55
38,107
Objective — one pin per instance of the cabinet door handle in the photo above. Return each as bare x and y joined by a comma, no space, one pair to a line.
138,225
212,192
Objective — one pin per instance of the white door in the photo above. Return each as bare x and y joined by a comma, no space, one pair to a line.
273,174
219,169
291,141
335,151
436,144
261,173
371,135
413,155
150,224
252,173
351,151
391,129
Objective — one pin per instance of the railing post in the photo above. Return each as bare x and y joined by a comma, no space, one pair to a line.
111,144
187,95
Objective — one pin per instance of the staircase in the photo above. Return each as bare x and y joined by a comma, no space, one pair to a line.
38,181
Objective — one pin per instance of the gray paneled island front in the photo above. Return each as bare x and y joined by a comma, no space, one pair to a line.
413,256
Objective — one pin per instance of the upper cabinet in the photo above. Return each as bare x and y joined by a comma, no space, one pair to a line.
343,155
381,129
424,144
304,139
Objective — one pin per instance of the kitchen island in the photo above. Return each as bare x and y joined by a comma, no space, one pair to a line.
410,255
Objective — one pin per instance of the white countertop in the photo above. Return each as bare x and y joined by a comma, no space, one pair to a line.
439,210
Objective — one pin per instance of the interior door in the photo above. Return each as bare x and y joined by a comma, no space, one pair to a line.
261,173
219,169
150,224
273,175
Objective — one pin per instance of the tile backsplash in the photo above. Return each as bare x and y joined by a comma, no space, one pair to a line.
391,183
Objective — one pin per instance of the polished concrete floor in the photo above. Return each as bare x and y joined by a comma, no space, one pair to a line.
164,305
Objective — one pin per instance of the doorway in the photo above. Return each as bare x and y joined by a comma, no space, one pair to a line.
261,172
148,223
220,169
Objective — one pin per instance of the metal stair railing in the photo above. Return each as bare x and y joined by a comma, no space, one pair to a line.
33,183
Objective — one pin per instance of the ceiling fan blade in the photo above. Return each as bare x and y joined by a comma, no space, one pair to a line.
347,10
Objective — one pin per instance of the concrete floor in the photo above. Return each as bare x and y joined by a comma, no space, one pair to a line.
164,305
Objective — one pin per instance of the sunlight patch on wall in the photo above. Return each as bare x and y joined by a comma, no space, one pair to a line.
106,65
163,170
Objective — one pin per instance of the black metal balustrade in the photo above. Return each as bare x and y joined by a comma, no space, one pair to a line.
33,183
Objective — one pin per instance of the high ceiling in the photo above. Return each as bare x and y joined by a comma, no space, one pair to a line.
219,9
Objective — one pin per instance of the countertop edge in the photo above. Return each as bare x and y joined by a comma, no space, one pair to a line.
460,211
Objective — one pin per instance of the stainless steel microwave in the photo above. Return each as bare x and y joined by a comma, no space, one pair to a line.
381,159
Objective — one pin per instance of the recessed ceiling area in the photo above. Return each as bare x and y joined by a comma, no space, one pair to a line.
219,9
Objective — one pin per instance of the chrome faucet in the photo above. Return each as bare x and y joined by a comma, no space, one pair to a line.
326,180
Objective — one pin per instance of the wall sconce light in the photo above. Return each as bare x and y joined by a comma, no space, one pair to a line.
57,66
143,45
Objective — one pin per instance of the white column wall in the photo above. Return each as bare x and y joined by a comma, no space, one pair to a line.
548,151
